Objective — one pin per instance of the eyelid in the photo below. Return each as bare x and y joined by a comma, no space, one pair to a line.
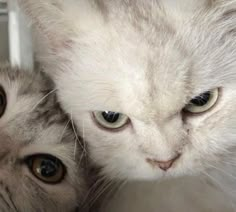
106,129
54,150
219,96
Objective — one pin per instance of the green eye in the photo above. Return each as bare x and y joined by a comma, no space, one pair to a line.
110,120
203,102
46,168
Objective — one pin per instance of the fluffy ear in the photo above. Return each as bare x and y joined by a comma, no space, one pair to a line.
49,20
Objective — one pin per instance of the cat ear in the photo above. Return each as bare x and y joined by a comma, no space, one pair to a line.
48,19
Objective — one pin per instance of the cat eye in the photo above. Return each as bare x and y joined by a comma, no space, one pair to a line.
110,120
3,101
46,168
203,102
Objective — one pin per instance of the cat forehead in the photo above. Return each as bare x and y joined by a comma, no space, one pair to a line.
147,63
127,63
132,50
124,77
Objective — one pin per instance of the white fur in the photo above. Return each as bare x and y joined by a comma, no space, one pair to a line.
146,60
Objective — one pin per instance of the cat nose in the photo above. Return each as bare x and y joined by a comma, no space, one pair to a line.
164,165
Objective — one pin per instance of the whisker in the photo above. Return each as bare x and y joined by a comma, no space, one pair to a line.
233,192
230,163
213,147
64,130
101,191
75,149
83,138
116,188
76,135
91,190
81,158
97,190
222,171
212,179
44,97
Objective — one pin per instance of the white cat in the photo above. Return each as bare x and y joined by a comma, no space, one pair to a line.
150,84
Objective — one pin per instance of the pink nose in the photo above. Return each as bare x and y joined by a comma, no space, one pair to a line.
164,165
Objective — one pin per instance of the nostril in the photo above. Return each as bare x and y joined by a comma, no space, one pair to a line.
164,165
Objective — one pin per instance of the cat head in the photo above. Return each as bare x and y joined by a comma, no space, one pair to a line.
41,163
151,90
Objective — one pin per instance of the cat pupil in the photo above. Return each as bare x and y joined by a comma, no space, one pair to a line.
202,99
110,117
2,101
48,168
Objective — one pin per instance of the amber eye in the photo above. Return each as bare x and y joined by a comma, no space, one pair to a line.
46,168
203,102
3,101
110,120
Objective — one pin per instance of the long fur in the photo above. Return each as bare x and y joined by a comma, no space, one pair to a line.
147,60
33,123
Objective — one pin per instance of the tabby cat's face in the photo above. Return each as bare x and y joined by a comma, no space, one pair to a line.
152,89
39,157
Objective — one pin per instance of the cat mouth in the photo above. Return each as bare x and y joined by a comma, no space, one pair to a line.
163,165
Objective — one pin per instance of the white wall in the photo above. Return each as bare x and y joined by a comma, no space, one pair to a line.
20,41
4,53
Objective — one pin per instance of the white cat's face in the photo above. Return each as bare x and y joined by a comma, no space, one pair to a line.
140,63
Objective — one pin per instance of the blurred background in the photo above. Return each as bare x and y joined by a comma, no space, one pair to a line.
15,37
4,50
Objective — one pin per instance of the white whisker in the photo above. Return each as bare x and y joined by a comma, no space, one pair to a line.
230,163
222,171
105,186
63,132
44,97
77,139
83,138
212,179
75,133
